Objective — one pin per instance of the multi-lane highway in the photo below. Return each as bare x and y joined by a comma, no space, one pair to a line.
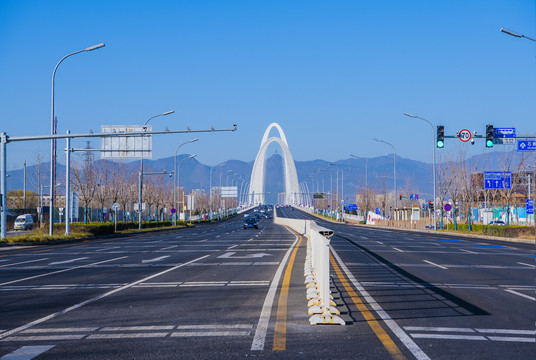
219,291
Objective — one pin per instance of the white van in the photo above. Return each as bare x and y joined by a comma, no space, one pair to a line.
24,222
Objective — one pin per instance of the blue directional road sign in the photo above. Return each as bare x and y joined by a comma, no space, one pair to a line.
497,180
352,207
378,211
506,136
526,145
530,206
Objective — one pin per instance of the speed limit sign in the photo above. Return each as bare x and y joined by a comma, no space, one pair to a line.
464,135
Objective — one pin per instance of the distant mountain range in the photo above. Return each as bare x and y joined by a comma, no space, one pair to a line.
412,176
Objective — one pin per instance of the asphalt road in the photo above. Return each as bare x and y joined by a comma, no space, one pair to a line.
453,297
218,291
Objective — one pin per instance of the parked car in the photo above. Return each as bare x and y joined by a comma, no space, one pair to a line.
497,222
251,223
24,222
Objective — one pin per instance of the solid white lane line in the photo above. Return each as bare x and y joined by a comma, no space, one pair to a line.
27,352
446,329
210,333
397,249
61,271
67,261
155,259
83,303
516,339
532,266
468,251
264,319
395,328
507,331
128,336
379,242
520,294
439,266
58,330
109,248
137,328
23,262
216,326
449,337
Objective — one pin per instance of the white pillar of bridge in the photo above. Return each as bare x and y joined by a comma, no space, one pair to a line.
256,189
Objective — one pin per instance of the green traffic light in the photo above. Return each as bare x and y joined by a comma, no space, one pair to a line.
489,143
440,144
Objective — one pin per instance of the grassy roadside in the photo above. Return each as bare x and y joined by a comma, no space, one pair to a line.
82,231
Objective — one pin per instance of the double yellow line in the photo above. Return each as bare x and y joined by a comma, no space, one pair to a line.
371,320
280,335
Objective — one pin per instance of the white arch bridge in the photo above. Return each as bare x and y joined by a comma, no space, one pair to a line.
256,192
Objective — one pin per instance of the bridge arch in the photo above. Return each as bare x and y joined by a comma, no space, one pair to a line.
256,188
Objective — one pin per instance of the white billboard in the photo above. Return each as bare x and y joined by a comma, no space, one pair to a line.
125,147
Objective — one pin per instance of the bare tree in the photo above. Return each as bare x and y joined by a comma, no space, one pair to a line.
84,176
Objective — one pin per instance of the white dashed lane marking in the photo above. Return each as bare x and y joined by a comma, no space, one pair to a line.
471,334
27,352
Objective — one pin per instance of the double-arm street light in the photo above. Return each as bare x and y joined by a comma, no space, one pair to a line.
433,159
210,187
179,179
52,132
175,180
140,181
394,166
366,180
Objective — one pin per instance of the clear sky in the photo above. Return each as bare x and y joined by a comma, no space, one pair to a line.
333,74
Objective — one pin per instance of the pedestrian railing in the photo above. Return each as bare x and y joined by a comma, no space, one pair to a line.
321,306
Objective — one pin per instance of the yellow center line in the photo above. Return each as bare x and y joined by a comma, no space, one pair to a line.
79,246
372,322
280,335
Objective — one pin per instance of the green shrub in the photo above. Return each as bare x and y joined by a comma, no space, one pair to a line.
510,231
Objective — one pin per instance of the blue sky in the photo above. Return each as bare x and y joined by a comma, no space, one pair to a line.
333,74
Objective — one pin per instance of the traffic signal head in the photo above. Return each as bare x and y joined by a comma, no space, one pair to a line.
489,136
440,136
400,196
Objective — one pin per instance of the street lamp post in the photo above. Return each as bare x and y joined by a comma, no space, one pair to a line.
434,161
512,33
210,189
394,167
140,177
179,178
366,180
175,182
52,132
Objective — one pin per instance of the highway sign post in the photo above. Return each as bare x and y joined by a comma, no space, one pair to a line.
526,145
318,196
497,180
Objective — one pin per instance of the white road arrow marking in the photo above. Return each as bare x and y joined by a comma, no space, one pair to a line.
155,259
67,261
229,255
